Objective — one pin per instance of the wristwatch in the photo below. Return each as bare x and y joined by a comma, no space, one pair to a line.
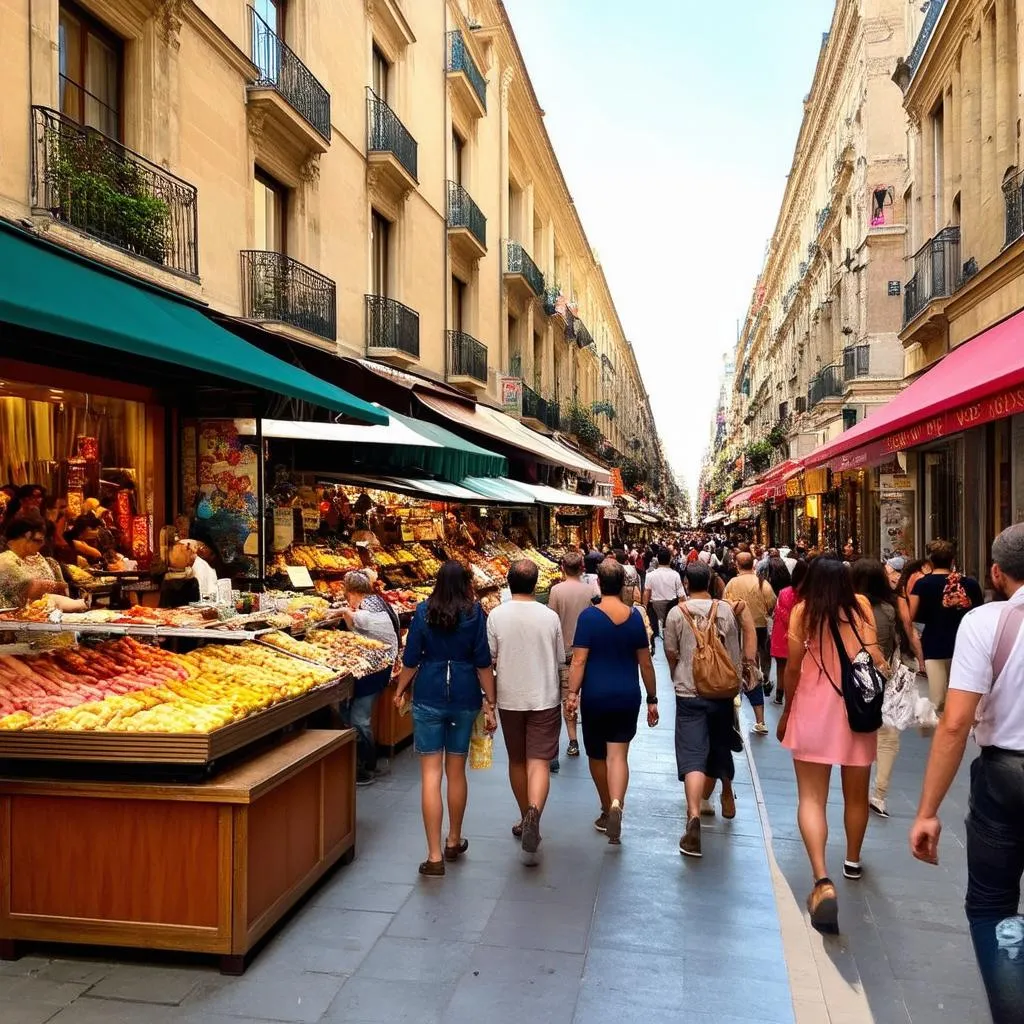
652,700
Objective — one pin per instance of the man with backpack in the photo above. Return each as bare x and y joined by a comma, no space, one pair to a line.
986,694
702,644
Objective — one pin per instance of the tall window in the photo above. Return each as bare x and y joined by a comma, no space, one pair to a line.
270,201
91,65
380,232
458,147
938,140
381,74
272,12
458,304
266,53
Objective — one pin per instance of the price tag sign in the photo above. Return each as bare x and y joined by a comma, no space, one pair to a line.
284,528
299,578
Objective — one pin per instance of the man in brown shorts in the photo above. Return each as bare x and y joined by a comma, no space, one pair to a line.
528,651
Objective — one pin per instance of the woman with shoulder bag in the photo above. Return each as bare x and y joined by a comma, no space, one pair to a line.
816,723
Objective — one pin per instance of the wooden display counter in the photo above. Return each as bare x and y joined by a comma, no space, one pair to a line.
206,868
390,729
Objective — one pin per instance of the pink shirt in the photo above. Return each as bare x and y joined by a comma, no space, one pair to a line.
780,626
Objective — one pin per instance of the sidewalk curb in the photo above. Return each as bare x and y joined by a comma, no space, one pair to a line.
821,995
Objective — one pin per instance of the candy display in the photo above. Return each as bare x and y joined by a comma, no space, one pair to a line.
339,650
126,686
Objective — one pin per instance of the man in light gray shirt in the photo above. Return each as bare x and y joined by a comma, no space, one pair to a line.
528,651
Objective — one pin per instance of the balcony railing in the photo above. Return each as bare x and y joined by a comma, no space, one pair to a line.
534,407
856,361
387,134
459,59
467,357
1013,197
281,70
88,180
277,288
391,325
517,261
927,27
829,383
583,337
464,213
936,272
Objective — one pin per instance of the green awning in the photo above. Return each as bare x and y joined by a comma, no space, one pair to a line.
455,459
43,290
498,489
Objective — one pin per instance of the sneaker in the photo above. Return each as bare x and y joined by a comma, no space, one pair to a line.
853,870
364,777
707,808
601,822
823,906
761,728
531,836
689,843
614,827
877,804
555,767
573,750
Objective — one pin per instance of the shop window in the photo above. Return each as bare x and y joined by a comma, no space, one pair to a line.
91,67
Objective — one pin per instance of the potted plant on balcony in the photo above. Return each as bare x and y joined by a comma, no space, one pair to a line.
758,456
582,426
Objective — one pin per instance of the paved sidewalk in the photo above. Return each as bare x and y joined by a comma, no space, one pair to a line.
596,933
904,945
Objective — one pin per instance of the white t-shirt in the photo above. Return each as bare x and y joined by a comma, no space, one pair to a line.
1001,713
527,647
206,577
664,584
709,558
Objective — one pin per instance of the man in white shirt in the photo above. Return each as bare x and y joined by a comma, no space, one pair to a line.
662,590
986,692
528,651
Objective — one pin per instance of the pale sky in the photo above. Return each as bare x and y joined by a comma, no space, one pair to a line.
675,122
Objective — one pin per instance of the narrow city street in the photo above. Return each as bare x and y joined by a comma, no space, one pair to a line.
596,933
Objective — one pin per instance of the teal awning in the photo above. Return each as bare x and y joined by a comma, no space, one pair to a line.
498,489
454,459
44,290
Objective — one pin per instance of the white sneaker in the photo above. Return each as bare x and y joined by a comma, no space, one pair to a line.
707,808
877,804
761,728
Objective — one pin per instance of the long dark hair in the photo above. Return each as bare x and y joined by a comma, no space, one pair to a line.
869,578
451,597
909,569
777,575
828,596
798,575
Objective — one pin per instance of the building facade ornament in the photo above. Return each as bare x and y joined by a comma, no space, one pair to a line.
168,21
309,172
255,121
506,83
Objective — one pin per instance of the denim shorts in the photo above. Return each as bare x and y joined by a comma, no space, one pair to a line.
436,728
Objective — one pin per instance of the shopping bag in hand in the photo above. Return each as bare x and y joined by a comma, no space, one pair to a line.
481,744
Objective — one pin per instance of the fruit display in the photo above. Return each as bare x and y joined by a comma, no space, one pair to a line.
317,559
127,686
505,553
341,651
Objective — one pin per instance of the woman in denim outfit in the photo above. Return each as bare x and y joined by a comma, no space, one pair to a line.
447,653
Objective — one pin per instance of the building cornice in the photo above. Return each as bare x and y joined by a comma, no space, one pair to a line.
219,40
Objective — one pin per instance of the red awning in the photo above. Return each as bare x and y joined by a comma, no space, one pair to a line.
740,497
979,381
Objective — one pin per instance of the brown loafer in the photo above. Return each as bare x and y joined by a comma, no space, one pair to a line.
453,853
432,868
824,907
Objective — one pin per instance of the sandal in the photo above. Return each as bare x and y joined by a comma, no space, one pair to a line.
432,868
453,853
824,907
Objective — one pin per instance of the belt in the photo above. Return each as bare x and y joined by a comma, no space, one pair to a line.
1000,753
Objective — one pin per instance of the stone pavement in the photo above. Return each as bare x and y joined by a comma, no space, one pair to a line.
904,947
596,933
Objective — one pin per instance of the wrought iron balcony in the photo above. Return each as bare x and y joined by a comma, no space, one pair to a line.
534,407
387,134
281,70
91,182
927,27
936,272
1013,197
829,383
467,357
391,328
583,337
463,213
519,264
856,361
460,60
279,289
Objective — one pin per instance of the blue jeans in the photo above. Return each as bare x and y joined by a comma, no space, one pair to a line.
995,863
361,719
436,729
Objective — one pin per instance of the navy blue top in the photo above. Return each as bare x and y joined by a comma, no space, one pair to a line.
941,623
448,661
611,678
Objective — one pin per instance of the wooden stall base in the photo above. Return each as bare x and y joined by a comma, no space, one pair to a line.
391,730
207,868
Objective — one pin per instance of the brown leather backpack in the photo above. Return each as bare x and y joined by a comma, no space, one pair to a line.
714,675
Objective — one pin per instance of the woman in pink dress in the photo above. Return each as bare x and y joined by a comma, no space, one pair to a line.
814,725
779,645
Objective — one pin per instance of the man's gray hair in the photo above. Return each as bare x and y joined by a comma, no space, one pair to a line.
1008,551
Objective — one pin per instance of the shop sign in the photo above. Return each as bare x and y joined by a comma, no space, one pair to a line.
896,519
793,488
895,482
815,481
511,391
284,528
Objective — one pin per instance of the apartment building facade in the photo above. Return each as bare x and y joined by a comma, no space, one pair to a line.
372,179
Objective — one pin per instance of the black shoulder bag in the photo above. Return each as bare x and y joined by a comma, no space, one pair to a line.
862,685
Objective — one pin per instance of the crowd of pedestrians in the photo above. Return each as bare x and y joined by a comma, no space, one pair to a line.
827,633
